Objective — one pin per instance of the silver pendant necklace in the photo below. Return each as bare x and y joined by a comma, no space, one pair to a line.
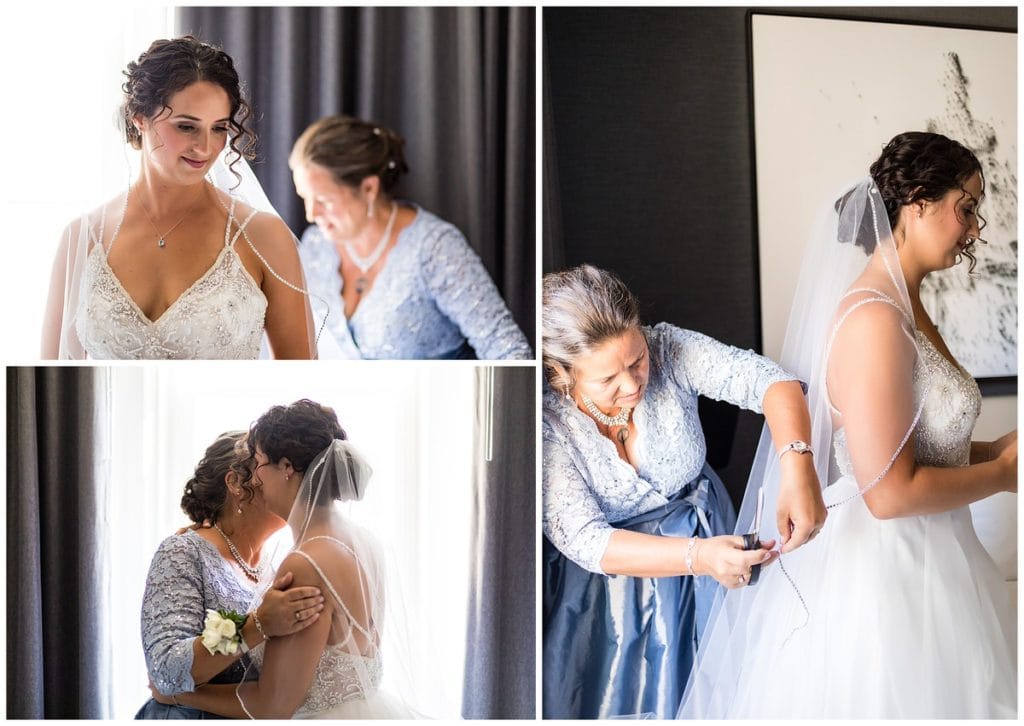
253,573
365,263
162,238
619,419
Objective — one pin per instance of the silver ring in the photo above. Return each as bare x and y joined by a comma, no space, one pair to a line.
742,579
298,615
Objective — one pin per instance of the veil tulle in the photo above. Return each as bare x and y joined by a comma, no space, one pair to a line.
232,178
370,630
850,235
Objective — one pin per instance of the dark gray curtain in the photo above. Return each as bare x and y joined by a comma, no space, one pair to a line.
457,83
500,645
56,652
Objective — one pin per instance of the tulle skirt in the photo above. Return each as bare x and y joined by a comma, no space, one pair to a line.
377,705
909,618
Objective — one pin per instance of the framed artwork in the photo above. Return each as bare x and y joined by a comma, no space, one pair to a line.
827,95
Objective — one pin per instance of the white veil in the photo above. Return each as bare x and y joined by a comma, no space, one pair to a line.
850,237
369,630
231,177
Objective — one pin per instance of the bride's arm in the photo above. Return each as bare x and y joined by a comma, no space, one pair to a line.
871,382
289,664
289,319
53,317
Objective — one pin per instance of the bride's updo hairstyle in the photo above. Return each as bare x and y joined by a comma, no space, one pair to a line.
299,432
169,66
351,150
921,166
582,308
206,492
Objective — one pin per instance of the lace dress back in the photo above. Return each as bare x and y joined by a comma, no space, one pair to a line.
219,316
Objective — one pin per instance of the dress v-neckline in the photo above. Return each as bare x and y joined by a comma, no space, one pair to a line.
135,306
383,270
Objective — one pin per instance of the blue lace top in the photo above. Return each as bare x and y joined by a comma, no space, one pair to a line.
586,485
431,296
186,577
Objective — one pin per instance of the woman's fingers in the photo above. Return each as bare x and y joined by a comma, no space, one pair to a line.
299,595
307,616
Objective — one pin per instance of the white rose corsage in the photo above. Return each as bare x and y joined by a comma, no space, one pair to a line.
223,632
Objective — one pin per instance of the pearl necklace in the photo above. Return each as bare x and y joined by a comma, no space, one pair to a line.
365,263
253,573
619,419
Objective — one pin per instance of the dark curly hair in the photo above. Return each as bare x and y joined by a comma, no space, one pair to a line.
352,150
298,432
918,165
167,67
206,492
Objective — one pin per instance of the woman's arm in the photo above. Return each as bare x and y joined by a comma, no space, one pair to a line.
872,383
982,451
53,317
744,378
289,319
289,664
463,290
800,512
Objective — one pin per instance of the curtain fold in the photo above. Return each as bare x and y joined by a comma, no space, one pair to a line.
57,649
501,640
456,82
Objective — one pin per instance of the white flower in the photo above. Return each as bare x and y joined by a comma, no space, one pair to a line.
219,634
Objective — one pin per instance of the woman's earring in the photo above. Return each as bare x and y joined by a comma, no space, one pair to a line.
370,210
239,508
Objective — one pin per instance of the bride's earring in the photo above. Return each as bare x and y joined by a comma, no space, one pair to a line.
370,209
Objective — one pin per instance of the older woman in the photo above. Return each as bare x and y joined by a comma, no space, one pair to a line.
627,492
215,569
397,281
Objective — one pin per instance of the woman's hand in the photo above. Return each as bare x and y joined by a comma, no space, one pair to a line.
724,559
1007,458
999,445
287,611
800,512
159,697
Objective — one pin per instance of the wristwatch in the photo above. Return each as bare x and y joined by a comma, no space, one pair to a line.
800,447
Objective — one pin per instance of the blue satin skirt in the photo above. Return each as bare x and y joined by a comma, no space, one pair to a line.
623,646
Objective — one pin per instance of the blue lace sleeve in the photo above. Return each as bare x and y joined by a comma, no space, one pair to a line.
714,369
572,519
463,291
172,614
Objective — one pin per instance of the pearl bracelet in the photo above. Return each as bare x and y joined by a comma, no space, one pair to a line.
689,556
259,625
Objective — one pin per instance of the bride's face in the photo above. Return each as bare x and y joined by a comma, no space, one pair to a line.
182,142
938,233
278,483
615,373
339,210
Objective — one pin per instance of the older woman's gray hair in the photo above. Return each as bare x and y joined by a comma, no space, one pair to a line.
582,308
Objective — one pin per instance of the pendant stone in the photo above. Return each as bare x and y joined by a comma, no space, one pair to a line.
161,243
360,285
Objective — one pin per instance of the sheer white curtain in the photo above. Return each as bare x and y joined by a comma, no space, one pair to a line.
415,426
62,81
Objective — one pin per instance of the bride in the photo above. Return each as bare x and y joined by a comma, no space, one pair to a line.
306,469
896,611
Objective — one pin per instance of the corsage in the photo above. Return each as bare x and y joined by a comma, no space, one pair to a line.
223,632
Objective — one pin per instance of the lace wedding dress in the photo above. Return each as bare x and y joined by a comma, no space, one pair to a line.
220,316
908,617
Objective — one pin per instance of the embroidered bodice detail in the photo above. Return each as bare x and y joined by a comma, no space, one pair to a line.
187,577
221,315
431,296
341,674
587,486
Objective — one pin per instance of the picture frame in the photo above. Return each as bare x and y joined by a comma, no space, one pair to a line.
827,93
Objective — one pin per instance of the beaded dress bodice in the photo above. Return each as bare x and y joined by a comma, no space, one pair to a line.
220,316
952,402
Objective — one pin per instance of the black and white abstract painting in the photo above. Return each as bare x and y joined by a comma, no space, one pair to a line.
828,95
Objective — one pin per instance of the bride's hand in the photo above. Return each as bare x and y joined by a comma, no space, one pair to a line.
205,525
724,559
800,513
1008,459
999,445
286,611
